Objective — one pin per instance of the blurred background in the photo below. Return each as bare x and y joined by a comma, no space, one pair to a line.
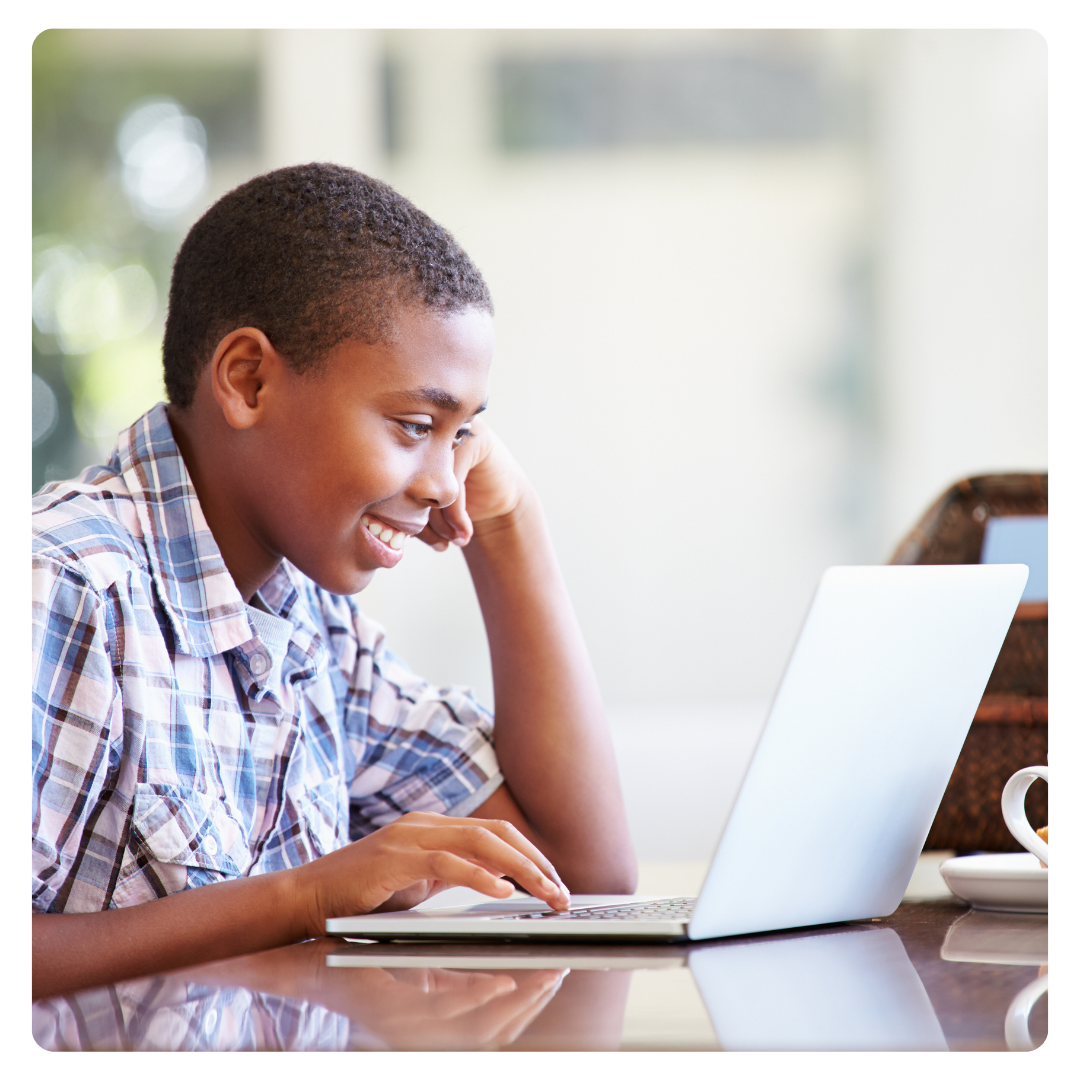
761,296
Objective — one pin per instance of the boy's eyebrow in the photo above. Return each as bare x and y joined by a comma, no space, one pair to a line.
442,399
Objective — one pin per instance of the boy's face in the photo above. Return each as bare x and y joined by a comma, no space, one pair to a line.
367,443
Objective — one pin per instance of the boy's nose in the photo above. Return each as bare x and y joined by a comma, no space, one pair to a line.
436,484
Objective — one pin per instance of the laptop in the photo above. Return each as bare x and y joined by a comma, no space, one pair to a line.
839,795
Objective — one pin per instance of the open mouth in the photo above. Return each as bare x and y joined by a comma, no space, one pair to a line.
387,534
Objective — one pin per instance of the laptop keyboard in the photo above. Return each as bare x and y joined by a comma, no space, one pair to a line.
666,910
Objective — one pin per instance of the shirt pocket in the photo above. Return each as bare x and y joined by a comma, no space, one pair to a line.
180,838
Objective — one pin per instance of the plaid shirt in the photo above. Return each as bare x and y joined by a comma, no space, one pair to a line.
183,737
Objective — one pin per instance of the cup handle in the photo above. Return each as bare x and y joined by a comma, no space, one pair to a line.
1012,809
1017,1034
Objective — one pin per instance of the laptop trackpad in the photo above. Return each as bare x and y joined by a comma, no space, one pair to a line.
460,897
458,902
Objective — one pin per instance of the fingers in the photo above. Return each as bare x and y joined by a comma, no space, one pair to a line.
503,1019
450,994
493,848
511,835
454,869
500,1010
452,523
456,518
433,539
449,525
403,862
448,1003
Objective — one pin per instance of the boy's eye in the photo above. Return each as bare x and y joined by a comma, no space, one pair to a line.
418,429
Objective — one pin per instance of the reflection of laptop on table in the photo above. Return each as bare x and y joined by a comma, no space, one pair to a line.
839,796
848,988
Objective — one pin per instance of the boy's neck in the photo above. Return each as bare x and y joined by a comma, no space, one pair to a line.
206,457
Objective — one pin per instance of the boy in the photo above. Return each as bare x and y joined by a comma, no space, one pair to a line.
225,753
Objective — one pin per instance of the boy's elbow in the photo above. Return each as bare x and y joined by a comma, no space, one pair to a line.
623,880
611,876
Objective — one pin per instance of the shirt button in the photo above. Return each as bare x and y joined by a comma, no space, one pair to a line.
210,846
258,663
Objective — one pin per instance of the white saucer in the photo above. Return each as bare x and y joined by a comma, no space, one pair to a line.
998,882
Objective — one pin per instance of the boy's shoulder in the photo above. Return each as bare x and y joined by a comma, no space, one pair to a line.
89,526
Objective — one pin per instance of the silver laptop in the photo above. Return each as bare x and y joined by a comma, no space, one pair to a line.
848,772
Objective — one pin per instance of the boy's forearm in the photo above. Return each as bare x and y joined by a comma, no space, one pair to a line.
392,868
551,731
216,921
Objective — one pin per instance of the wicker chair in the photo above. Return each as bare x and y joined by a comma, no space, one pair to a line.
1010,726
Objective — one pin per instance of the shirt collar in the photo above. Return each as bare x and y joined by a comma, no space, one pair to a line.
287,645
207,613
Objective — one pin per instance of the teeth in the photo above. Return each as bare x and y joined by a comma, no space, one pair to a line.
391,537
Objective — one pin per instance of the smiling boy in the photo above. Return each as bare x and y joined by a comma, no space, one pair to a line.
225,752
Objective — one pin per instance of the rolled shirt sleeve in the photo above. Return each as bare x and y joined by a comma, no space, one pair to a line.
77,719
418,747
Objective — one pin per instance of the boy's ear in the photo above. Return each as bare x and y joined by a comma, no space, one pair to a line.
242,365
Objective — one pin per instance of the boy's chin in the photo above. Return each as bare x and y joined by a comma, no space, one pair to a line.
342,581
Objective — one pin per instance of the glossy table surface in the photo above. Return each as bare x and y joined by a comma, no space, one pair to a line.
935,975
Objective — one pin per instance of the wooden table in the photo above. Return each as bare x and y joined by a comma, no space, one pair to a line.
934,975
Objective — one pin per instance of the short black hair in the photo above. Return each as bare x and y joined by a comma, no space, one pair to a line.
311,255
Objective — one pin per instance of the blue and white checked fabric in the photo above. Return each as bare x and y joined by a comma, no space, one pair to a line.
181,736
171,1013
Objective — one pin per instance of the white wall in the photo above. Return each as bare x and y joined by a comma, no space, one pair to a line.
961,181
319,98
665,324
661,319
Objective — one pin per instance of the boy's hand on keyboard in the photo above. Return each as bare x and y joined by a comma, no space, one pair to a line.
418,856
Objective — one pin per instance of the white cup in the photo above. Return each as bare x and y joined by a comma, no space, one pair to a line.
1012,807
